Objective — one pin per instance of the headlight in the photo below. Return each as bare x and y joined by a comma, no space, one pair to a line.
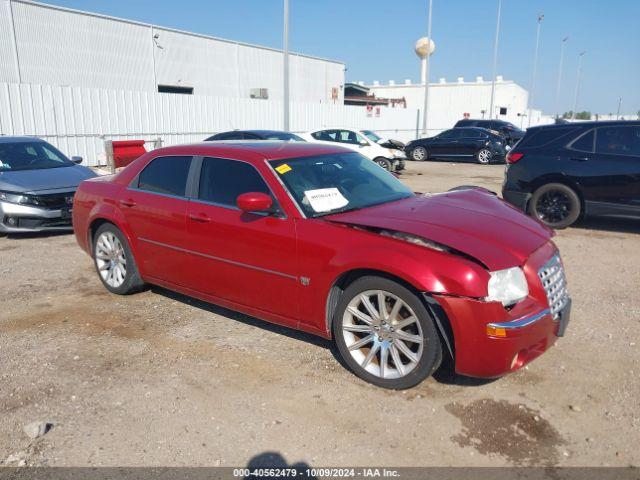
396,153
18,198
507,286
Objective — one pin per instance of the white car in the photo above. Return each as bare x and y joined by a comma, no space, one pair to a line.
388,158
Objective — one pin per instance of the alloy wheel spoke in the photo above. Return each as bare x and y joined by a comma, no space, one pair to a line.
370,355
405,322
393,314
362,342
396,359
384,357
408,337
361,316
357,328
406,350
370,308
382,306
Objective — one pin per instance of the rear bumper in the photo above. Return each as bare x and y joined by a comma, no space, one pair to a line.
520,200
27,218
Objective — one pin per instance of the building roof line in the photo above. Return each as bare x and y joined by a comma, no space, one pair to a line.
169,29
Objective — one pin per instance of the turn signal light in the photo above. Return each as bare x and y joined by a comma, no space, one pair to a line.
496,331
513,157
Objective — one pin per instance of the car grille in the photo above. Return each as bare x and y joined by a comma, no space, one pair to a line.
555,284
56,201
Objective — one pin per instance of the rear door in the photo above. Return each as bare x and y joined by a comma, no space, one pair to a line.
155,206
468,142
245,258
615,174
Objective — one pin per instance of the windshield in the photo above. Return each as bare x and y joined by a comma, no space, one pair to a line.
338,182
30,156
373,136
284,136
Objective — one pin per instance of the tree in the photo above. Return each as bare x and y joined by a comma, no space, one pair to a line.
584,115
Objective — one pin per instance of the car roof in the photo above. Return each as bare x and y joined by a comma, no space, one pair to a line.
21,139
259,132
588,124
253,150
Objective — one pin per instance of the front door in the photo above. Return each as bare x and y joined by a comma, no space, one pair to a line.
245,258
155,207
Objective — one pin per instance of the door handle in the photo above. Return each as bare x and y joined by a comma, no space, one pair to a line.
202,218
580,159
128,203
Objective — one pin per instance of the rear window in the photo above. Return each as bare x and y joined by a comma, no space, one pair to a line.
166,175
544,136
584,143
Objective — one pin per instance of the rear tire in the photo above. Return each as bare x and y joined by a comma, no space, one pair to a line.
384,163
555,204
419,154
114,261
396,346
484,156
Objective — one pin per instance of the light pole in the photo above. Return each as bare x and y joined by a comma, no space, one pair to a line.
619,105
495,61
564,41
285,42
575,98
426,73
535,66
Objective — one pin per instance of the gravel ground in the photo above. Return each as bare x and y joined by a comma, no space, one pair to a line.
160,379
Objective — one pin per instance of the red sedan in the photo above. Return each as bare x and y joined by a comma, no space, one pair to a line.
321,239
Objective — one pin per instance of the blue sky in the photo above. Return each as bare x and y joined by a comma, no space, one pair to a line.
375,38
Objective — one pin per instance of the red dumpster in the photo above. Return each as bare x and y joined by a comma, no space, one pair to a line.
126,151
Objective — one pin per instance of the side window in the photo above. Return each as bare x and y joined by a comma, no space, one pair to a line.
470,133
223,180
618,140
166,175
584,142
326,135
446,134
347,136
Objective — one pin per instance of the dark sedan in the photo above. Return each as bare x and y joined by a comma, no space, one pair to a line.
469,143
507,130
256,135
559,173
37,184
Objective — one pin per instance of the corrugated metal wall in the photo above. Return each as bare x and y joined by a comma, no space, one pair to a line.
78,120
57,46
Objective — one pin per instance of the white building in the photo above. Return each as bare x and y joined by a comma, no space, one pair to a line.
451,101
49,45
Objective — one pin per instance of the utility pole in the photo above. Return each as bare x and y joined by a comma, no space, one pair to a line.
535,66
619,105
285,35
575,98
557,102
495,62
426,80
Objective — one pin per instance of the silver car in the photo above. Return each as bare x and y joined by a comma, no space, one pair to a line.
37,184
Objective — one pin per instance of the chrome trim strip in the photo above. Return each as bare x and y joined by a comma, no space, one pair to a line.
219,259
522,321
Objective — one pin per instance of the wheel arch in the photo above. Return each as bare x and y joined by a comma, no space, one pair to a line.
562,179
443,325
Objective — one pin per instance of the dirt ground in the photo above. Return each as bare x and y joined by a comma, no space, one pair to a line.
160,379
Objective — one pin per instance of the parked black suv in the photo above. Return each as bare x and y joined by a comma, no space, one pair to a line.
558,173
507,130
476,144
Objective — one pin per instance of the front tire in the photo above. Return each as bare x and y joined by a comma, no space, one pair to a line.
384,163
484,156
555,204
385,334
114,261
419,154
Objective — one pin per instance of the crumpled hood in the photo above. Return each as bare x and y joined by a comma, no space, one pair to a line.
473,221
45,179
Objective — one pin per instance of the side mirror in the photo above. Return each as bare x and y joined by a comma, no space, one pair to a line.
76,160
363,143
254,202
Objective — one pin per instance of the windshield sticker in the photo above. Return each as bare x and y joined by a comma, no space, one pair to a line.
284,168
325,199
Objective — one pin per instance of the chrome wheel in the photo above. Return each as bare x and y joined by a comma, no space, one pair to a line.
484,156
382,334
419,154
111,259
